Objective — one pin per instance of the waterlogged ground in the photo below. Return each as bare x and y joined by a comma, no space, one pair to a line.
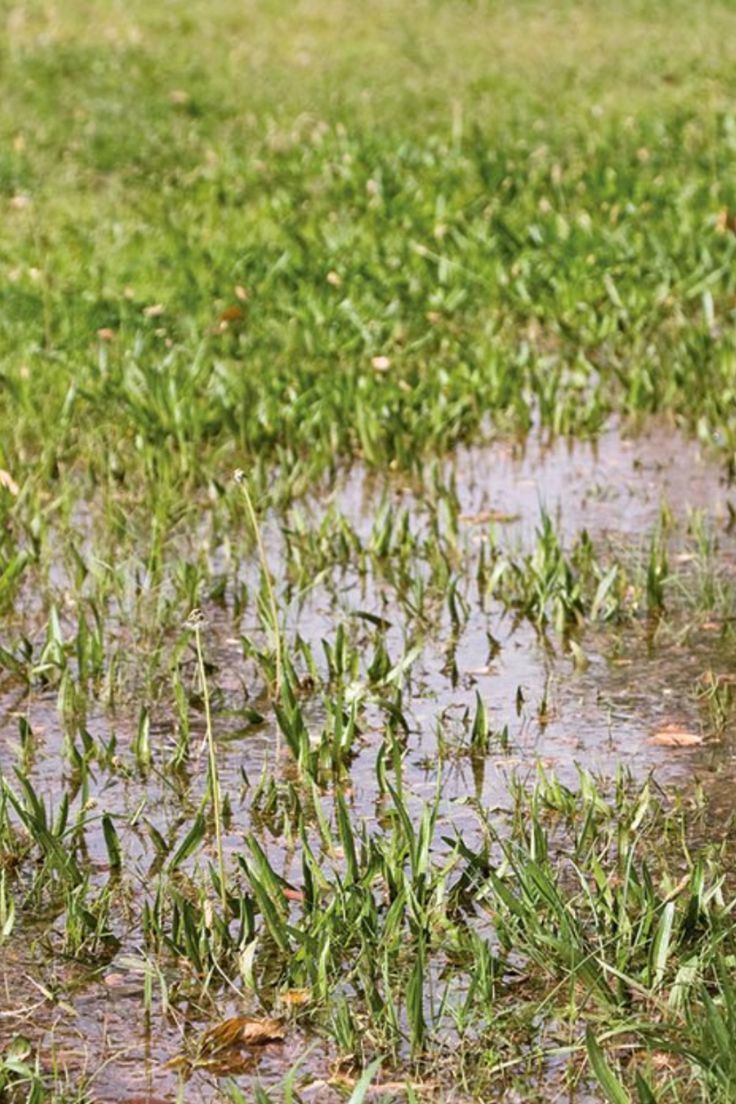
435,785
93,1011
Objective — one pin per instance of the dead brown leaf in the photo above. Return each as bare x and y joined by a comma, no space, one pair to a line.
232,314
240,1031
675,736
220,1048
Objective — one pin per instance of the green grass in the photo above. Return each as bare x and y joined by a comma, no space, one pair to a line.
265,271
520,206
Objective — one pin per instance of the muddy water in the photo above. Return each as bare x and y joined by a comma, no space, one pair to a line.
554,713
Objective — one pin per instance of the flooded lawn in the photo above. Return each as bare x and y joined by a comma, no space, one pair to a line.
367,552
422,694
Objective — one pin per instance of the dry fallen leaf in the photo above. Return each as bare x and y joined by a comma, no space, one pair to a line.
106,334
240,1031
232,314
675,736
154,311
219,1049
228,1063
7,481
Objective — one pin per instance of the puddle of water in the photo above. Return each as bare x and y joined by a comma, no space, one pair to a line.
613,484
554,714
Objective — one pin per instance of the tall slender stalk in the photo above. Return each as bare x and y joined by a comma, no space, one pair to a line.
195,621
241,480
